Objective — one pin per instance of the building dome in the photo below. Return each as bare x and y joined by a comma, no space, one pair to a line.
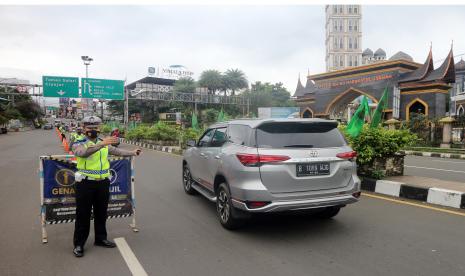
367,52
380,53
401,55
460,65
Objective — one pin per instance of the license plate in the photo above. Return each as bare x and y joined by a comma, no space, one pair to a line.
311,169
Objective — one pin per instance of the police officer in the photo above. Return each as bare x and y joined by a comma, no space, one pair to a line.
93,183
76,136
62,131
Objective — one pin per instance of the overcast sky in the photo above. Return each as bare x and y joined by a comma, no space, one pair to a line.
269,43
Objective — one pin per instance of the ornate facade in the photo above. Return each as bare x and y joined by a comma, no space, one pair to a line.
412,87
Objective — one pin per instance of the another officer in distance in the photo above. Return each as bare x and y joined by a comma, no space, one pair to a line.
92,183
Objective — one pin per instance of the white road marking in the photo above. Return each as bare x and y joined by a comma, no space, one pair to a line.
131,260
443,161
434,169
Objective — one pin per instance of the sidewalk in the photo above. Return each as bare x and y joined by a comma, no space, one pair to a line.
435,191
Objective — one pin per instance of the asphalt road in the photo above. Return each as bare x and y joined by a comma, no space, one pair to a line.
180,234
434,167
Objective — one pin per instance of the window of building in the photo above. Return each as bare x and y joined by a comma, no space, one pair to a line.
355,25
350,25
340,8
356,61
350,8
335,60
335,42
341,61
335,22
355,9
350,42
355,43
341,25
350,60
335,9
341,43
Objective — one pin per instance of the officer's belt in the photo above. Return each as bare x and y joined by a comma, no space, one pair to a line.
95,171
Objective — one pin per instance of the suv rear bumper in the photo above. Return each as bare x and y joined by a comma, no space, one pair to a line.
289,205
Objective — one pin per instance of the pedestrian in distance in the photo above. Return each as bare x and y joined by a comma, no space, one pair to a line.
93,183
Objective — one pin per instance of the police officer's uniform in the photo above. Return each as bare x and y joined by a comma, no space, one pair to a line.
92,188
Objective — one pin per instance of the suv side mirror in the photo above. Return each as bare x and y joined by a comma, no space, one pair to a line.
191,143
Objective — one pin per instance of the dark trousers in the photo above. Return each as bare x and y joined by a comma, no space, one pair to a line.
90,193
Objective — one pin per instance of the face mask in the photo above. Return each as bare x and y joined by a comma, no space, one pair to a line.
92,134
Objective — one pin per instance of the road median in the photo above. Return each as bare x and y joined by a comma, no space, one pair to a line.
430,190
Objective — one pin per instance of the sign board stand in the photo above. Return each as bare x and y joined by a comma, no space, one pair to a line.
43,217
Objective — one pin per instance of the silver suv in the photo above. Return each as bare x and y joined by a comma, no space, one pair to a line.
271,165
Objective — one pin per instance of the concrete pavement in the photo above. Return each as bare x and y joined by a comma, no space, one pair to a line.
180,234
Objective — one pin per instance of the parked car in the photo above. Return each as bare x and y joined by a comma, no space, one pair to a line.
272,165
48,126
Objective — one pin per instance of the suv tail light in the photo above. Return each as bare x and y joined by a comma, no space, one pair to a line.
256,160
347,155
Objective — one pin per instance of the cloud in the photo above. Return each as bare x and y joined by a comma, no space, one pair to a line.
269,43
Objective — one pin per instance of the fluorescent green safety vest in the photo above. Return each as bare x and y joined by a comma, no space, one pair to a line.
77,137
96,165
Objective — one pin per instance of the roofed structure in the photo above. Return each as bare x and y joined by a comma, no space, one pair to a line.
445,73
421,72
300,90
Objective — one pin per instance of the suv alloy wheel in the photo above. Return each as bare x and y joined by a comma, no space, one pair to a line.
187,180
225,210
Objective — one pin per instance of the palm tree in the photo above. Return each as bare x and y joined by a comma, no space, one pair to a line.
211,79
185,85
235,79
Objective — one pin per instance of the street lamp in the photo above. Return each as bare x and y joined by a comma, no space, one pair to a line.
87,60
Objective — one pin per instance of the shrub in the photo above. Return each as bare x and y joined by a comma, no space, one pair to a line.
106,128
379,142
137,133
189,134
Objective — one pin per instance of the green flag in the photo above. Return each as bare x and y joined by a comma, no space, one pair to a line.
195,123
220,116
378,114
356,123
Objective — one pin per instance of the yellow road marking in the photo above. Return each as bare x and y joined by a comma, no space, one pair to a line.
415,204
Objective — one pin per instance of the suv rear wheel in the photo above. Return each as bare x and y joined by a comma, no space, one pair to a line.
187,180
225,210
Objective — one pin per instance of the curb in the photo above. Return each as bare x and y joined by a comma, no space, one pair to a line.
168,149
438,196
435,154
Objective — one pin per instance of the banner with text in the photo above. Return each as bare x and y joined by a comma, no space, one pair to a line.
59,203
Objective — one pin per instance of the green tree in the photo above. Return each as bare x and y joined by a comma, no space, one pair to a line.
185,85
268,95
234,79
213,80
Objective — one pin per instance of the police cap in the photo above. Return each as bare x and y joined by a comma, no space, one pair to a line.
91,121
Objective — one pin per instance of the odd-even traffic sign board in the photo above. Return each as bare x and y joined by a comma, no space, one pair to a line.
62,87
102,89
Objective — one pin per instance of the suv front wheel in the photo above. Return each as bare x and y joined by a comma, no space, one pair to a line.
225,210
187,180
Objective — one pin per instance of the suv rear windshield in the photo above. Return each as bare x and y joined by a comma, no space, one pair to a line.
299,135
